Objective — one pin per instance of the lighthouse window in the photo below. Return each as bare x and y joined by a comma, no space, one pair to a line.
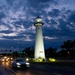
41,51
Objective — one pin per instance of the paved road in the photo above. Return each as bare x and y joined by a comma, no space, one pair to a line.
55,70
3,71
39,69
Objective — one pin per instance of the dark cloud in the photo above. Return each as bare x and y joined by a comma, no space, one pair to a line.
10,2
26,24
2,15
54,13
40,5
6,31
2,23
53,21
72,17
63,24
40,1
65,29
58,17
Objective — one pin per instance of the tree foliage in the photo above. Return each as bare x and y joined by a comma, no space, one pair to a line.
68,49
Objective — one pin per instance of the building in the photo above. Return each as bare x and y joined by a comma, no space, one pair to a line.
39,43
6,51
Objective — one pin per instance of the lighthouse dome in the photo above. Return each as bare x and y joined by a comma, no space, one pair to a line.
38,19
38,22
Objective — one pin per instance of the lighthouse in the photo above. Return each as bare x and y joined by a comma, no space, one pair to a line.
39,43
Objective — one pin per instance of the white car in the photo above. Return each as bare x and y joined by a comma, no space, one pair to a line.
20,63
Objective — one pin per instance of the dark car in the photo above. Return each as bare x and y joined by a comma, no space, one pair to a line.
20,63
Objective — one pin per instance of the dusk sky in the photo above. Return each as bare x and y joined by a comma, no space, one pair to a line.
17,18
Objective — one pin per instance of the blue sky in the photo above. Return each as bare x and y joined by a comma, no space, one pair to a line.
17,18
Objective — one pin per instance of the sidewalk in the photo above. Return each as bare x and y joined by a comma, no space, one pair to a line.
3,71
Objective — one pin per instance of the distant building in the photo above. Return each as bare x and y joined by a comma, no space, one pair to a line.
6,51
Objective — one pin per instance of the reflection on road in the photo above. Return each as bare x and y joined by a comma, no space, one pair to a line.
7,64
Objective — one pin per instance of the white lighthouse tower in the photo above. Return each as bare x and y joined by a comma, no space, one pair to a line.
39,44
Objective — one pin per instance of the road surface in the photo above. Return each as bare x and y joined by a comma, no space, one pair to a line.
40,69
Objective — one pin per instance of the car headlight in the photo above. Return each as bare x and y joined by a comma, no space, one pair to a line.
11,58
6,59
2,59
18,64
27,63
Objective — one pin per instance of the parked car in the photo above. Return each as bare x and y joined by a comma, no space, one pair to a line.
20,63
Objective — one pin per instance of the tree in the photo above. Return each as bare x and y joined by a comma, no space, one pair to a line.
67,45
29,52
15,54
68,49
50,52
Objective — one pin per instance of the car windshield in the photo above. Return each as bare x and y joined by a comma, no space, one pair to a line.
19,60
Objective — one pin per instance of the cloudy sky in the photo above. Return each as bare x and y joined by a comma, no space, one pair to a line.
17,22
